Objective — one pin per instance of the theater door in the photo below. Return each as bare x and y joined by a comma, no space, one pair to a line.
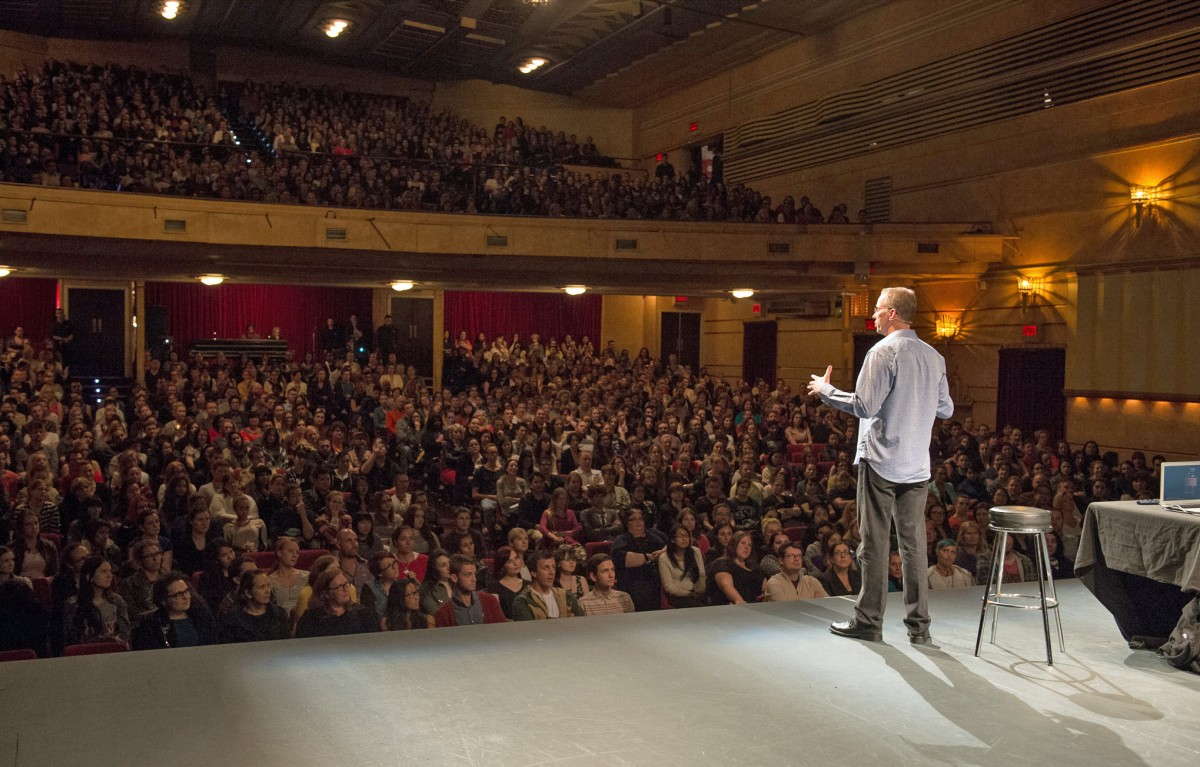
99,318
413,318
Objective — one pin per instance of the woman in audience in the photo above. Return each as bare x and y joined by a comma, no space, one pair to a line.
971,546
332,612
559,524
286,581
733,579
385,573
64,586
181,620
688,520
681,570
36,557
1018,568
842,577
425,540
191,548
216,582
244,533
635,554
97,613
721,537
8,565
255,616
409,562
435,587
319,565
403,610
149,528
506,577
566,560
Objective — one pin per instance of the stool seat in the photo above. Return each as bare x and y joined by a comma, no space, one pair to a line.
1018,519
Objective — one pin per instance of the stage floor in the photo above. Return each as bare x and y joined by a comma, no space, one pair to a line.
759,685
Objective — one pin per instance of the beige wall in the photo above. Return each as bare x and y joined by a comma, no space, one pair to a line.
483,103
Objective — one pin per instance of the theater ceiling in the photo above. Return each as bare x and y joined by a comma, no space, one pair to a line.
616,52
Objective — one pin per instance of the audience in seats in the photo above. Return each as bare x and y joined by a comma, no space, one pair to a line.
652,466
125,129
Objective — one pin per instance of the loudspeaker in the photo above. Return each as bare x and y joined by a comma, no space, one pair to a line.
158,327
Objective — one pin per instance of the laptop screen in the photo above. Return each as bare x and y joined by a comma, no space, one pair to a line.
1180,483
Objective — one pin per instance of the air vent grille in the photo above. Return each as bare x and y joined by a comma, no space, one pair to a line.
174,225
336,233
14,216
496,241
625,243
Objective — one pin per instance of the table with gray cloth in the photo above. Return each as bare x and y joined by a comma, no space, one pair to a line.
1142,563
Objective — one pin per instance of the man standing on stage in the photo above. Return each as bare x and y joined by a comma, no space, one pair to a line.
900,390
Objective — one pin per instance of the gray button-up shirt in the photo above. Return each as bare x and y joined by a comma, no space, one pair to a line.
901,388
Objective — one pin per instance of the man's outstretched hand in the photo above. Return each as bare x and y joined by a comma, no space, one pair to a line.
814,386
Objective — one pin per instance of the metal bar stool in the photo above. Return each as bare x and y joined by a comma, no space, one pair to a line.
1021,520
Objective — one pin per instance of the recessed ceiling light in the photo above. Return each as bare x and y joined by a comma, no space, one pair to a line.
211,279
575,290
402,285
335,27
5,271
170,9
741,293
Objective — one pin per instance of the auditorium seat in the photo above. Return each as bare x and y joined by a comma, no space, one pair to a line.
598,547
41,590
264,560
94,648
308,556
796,534
22,654
54,538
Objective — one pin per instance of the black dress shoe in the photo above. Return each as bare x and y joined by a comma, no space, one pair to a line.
919,637
855,630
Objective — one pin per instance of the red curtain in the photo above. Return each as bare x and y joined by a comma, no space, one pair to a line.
550,315
27,302
198,311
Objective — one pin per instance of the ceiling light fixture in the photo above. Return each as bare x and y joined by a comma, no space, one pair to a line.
575,290
171,9
211,279
5,271
335,27
742,293
532,64
402,285
537,3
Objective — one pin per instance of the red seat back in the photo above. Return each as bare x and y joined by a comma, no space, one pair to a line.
265,560
598,547
22,654
94,648
41,590
308,556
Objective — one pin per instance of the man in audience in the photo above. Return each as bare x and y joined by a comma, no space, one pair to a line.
604,599
541,599
792,583
466,606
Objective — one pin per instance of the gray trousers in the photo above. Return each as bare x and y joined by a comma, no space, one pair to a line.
881,501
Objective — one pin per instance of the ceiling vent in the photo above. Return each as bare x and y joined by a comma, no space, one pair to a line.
781,248
174,225
496,241
626,244
14,216
336,233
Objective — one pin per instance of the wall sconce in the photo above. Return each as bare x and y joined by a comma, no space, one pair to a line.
1141,196
1028,288
946,327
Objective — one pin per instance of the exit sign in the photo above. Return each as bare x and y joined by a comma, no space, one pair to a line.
1029,331
871,324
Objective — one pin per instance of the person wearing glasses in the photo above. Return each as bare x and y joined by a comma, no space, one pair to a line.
635,553
181,620
901,389
791,582
138,589
331,611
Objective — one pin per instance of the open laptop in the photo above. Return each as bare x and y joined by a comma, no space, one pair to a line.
1179,484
